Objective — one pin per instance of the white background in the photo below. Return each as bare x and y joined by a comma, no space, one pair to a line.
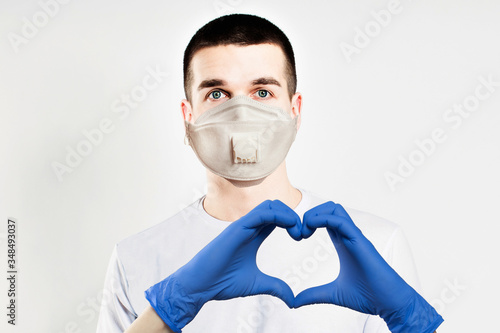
359,117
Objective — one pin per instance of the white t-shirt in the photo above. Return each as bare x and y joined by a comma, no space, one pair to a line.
148,257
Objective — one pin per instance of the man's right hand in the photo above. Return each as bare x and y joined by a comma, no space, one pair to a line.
226,268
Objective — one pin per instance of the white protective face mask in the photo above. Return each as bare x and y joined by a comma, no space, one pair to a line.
242,139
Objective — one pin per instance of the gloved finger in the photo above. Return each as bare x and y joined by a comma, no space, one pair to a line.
285,220
272,204
269,285
277,213
295,230
340,211
328,208
307,231
315,295
262,234
322,209
340,225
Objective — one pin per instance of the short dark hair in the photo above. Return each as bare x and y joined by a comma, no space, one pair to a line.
243,30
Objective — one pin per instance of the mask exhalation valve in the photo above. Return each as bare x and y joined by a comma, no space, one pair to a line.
245,147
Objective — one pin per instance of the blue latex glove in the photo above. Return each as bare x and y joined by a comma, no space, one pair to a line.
365,283
226,268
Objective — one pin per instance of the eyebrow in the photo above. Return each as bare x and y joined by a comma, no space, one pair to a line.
265,81
218,82
211,83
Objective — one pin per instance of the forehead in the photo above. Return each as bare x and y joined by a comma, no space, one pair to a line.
239,63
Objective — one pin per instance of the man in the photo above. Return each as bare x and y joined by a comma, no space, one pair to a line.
241,113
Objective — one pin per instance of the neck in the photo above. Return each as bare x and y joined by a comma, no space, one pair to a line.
229,200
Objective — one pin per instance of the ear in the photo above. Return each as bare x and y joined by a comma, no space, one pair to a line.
187,110
297,107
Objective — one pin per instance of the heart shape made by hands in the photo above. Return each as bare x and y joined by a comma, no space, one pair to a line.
227,268
300,264
364,282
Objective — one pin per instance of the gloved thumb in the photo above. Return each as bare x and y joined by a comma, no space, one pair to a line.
315,295
265,284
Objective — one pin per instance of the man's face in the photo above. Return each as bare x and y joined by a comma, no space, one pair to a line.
223,72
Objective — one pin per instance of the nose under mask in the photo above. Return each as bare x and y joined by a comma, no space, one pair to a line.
242,139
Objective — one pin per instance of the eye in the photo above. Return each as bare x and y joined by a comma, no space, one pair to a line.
216,94
263,93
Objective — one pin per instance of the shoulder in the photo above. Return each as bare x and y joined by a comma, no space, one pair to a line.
380,231
165,230
150,255
312,199
372,223
158,242
169,243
